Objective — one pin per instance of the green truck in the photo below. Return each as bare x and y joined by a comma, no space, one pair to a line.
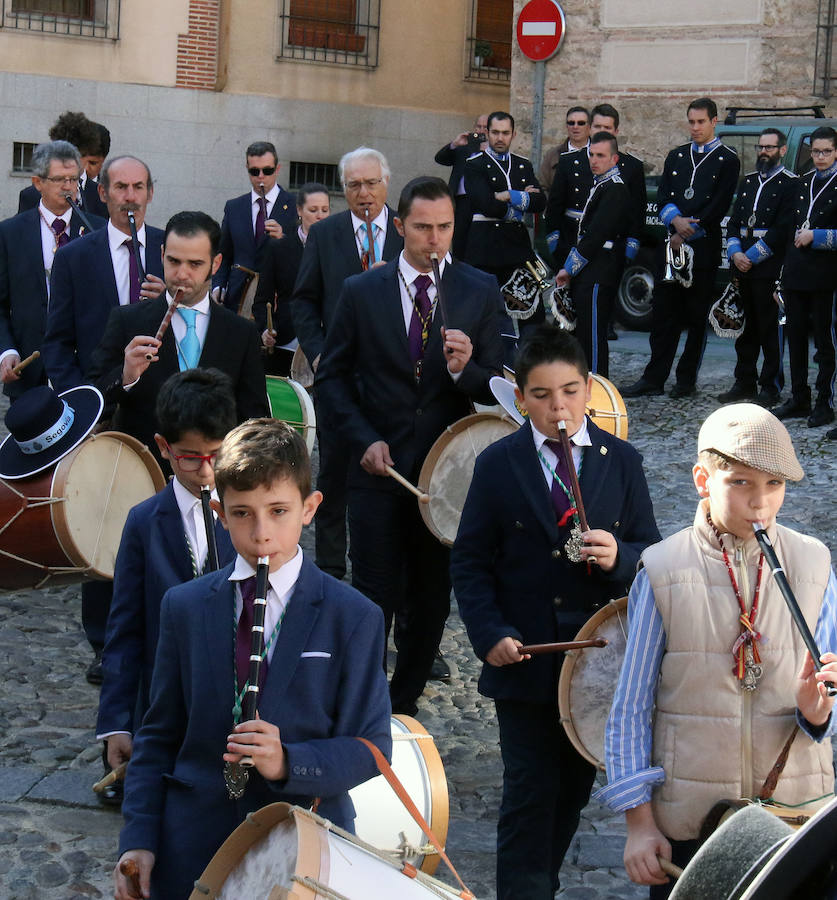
740,130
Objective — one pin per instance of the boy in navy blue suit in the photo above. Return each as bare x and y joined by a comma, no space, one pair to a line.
324,685
164,543
516,584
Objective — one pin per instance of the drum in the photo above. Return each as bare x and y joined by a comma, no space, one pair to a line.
607,408
588,680
447,470
283,851
301,371
63,525
793,816
289,402
382,819
249,287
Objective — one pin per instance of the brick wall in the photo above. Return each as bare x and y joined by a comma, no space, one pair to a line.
197,50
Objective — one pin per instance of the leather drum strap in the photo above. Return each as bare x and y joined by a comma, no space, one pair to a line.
386,770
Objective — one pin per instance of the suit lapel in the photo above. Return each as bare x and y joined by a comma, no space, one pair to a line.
392,313
217,612
594,469
32,236
213,344
526,467
392,239
347,245
103,267
174,537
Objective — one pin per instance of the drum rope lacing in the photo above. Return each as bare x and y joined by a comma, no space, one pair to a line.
109,494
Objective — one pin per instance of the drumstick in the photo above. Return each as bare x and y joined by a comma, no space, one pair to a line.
164,325
130,870
562,647
574,485
209,525
440,297
423,498
112,777
669,868
269,310
25,362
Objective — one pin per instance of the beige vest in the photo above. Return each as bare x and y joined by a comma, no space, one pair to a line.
713,739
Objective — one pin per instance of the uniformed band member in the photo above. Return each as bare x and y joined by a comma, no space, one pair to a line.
808,283
757,236
578,137
696,189
501,187
593,266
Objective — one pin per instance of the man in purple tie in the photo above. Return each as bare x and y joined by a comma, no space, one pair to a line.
398,367
29,242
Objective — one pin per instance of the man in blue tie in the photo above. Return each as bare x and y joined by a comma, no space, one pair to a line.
130,364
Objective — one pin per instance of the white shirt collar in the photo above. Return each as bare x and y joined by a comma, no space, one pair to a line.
116,238
581,438
410,274
270,196
186,500
201,307
281,581
50,217
380,220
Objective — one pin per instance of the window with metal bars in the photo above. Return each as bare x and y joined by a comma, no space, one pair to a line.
22,156
335,31
79,18
324,173
489,40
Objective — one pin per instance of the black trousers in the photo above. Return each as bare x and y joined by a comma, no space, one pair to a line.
593,307
461,224
674,308
398,564
681,854
546,784
330,521
818,306
95,607
762,331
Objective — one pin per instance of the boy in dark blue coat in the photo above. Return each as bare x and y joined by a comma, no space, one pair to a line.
164,543
324,685
516,584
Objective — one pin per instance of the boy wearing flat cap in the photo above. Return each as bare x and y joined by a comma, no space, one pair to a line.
714,655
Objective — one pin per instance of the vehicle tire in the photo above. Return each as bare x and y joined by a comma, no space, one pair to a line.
633,297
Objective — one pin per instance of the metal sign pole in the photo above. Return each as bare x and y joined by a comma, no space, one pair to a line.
539,81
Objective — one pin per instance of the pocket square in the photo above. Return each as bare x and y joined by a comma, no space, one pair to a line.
315,654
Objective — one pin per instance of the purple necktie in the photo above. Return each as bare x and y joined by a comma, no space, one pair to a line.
560,501
59,226
133,272
261,215
244,635
421,313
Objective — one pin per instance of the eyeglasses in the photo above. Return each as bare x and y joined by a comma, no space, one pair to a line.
766,147
574,122
61,179
827,152
266,170
369,183
191,463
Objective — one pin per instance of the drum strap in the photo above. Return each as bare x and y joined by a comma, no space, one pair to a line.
386,770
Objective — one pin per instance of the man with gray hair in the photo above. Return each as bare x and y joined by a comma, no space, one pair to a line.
338,247
29,242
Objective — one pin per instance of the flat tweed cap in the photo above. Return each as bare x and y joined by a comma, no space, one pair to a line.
749,434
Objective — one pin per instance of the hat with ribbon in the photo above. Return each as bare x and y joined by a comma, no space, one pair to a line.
45,426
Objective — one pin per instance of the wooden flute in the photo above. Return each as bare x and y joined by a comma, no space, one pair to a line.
251,696
440,297
575,487
79,212
164,325
212,563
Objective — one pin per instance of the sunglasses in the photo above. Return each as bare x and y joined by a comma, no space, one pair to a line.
266,170
574,122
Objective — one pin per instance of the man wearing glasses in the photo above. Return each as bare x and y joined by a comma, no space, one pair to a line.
808,281
757,237
266,211
578,137
336,248
28,244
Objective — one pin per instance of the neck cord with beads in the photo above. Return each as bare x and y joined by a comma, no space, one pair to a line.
745,650
424,321
574,542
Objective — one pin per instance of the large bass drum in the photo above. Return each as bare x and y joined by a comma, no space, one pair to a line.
588,680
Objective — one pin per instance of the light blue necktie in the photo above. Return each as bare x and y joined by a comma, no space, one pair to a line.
190,346
364,238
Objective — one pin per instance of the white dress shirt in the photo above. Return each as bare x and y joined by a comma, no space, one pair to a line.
270,198
359,228
191,514
121,258
178,326
49,239
577,441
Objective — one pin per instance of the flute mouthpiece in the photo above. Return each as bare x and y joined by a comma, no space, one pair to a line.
264,560
758,526
435,256
562,425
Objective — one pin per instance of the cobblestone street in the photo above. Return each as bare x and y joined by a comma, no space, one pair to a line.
56,841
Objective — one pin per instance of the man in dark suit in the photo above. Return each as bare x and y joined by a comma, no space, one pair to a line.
130,365
337,248
268,210
524,573
96,275
28,244
454,155
392,378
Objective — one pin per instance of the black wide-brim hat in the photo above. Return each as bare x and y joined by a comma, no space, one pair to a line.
45,426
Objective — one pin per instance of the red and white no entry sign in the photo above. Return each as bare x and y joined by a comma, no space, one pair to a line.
540,29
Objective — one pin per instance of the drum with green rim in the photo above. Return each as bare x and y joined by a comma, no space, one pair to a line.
291,403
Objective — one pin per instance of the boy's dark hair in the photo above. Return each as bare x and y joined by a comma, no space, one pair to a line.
704,103
427,187
548,344
260,452
104,139
499,114
76,128
824,133
606,111
259,148
605,137
191,223
201,400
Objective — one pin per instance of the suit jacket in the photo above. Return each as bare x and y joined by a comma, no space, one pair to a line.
82,294
330,257
277,276
23,291
509,573
366,382
325,686
456,158
153,556
91,202
238,240
231,345
602,233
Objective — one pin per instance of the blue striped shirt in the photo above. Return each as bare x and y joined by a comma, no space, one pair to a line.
630,775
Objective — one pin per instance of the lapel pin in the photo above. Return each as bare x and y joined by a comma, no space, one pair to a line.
603,451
